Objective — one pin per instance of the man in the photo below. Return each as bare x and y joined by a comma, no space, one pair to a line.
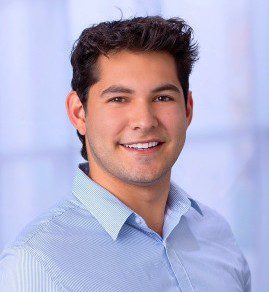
127,226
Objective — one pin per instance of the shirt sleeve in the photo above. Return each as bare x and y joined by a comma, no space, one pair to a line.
20,271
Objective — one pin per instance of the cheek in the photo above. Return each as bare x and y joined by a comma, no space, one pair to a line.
174,121
104,123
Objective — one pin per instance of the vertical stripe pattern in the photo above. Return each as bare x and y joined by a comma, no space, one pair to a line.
91,241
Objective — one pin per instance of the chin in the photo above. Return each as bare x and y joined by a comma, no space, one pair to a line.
145,180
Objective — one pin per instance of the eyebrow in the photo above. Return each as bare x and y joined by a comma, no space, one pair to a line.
166,87
122,89
117,89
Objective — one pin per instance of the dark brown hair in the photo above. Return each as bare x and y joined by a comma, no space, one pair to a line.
139,34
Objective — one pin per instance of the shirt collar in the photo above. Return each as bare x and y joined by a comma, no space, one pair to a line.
179,201
195,206
105,207
111,212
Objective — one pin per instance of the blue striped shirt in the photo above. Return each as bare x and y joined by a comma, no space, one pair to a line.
91,241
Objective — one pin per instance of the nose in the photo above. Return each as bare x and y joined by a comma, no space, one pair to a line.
143,117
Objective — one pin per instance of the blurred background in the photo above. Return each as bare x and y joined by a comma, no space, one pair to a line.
225,163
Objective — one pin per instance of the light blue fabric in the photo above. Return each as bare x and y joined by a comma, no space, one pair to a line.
91,241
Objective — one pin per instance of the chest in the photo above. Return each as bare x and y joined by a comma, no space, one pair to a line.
141,263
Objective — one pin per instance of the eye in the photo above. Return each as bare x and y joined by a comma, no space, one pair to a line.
164,98
117,99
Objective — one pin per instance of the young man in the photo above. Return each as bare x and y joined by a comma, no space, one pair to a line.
127,226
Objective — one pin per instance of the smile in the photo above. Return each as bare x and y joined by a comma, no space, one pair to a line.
145,148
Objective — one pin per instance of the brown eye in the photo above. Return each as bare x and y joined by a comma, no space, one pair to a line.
164,98
117,99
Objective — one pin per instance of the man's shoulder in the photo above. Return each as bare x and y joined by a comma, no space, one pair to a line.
214,230
42,223
207,212
211,223
20,265
30,257
20,270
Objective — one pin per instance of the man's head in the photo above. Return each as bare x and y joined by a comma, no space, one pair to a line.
142,34
130,84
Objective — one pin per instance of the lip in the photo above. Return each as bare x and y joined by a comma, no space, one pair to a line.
142,142
145,151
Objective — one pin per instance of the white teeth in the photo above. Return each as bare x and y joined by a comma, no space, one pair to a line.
142,145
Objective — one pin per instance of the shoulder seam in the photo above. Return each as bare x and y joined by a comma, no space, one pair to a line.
42,226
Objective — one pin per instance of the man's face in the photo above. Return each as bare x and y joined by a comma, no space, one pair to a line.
138,98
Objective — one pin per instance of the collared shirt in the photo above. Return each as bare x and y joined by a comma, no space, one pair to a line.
91,241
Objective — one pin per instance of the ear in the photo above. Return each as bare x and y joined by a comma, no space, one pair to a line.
189,108
76,112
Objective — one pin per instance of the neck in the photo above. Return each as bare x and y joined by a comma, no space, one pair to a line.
147,201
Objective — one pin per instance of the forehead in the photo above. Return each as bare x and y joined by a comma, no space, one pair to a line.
140,66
